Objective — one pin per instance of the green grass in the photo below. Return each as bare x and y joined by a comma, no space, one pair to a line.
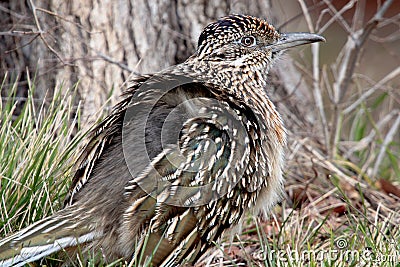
37,143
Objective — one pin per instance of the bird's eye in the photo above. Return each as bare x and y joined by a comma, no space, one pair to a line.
248,41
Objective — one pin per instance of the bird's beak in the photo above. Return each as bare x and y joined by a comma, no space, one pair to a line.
292,39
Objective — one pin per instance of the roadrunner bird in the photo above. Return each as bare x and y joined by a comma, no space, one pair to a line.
182,158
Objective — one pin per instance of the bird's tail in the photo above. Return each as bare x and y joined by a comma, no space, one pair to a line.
43,238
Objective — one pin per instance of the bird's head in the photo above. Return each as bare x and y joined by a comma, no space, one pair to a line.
242,41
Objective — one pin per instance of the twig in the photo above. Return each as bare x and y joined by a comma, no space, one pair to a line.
368,139
113,61
378,85
337,16
19,33
21,46
358,18
316,87
11,12
389,137
329,165
65,19
41,33
297,16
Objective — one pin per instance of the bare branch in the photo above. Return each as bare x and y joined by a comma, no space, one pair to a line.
352,51
41,33
365,142
64,19
19,47
377,86
11,12
115,62
358,17
389,137
316,79
337,16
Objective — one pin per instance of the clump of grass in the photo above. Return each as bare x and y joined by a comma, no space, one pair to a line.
37,145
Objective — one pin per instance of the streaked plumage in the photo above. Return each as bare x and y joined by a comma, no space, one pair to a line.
231,137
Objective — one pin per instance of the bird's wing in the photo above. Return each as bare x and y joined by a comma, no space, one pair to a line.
176,205
99,139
